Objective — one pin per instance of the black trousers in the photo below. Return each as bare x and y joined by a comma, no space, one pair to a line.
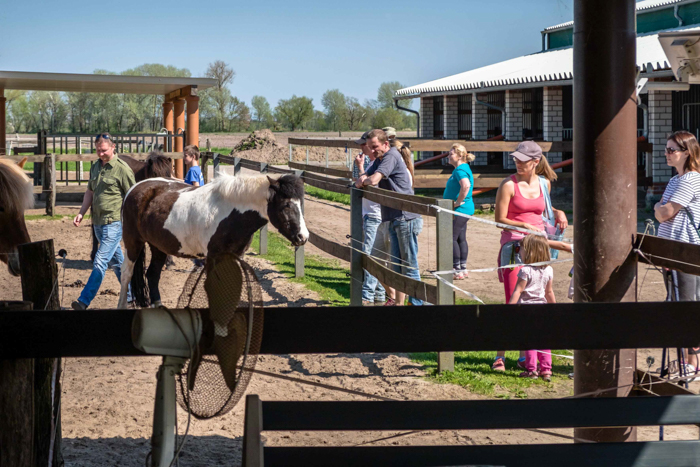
460,248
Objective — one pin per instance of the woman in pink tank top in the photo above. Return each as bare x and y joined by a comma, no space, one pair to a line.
520,203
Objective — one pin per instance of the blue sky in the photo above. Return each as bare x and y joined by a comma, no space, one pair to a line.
278,48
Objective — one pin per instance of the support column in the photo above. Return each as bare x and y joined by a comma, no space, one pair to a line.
553,118
451,117
480,126
605,187
168,122
426,123
659,128
192,120
3,129
514,119
178,146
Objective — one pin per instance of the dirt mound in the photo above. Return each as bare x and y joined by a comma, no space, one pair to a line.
261,146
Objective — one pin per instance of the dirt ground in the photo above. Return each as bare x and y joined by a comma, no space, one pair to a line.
107,402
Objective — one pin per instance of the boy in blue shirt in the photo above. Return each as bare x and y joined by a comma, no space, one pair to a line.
194,174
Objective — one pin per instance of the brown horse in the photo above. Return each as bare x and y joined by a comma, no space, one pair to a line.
15,196
189,222
155,165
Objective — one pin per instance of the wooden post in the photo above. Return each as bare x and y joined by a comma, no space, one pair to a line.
217,169
446,296
49,186
204,164
356,234
16,402
252,426
3,130
299,251
39,286
41,149
326,156
179,111
262,246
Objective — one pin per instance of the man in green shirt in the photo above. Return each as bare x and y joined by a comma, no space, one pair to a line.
110,180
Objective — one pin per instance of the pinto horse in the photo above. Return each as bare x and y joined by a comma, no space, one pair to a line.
15,196
185,221
156,165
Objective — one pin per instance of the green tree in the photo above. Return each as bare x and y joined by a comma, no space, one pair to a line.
334,103
388,117
219,97
318,122
355,113
295,111
238,115
385,95
263,113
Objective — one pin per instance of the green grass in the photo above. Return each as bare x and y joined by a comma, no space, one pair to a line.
473,371
328,195
324,276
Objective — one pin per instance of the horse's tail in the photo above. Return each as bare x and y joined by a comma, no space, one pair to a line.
139,286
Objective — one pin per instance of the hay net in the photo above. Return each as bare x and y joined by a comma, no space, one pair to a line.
215,379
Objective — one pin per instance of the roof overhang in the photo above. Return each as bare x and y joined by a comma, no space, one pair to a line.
112,84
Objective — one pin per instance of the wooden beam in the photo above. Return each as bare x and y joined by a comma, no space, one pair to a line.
142,156
418,289
326,143
410,203
181,93
358,329
332,248
327,185
663,252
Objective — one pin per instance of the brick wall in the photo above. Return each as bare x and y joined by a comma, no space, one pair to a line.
426,122
479,125
552,117
514,121
659,128
450,114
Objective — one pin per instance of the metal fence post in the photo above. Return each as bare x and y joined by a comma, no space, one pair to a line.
262,246
299,251
446,296
49,183
236,166
307,156
217,168
290,153
356,236
326,156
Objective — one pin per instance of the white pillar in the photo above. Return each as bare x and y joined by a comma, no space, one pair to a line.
451,117
426,122
660,128
553,118
479,125
514,122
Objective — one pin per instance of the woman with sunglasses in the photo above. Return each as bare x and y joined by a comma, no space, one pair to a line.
520,202
679,215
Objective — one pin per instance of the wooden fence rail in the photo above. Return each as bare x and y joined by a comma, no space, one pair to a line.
330,247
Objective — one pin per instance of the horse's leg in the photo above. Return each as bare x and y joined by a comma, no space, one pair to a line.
127,272
153,274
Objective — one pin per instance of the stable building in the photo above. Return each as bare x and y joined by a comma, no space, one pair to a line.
531,97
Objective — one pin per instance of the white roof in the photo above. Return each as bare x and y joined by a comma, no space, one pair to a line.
118,84
543,67
640,6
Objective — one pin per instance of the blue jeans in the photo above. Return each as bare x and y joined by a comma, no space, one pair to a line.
404,244
372,290
109,255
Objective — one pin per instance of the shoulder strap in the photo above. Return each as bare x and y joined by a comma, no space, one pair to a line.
689,213
549,213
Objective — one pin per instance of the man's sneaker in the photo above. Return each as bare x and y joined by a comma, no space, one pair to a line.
77,305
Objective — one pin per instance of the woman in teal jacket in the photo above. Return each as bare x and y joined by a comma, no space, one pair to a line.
459,189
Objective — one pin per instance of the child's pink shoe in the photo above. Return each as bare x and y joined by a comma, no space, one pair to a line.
529,374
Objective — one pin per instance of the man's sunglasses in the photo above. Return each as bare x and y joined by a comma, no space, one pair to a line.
103,136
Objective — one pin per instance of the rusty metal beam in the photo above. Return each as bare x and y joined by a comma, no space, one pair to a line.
605,185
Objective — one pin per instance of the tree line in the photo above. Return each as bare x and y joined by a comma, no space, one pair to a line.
219,109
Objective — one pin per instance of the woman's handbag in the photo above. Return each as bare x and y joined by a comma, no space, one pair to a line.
551,229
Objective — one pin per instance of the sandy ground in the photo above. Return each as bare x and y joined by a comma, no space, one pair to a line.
107,402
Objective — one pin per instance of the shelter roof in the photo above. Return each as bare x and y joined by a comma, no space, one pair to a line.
543,67
113,84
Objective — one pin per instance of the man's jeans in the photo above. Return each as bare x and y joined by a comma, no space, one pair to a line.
109,255
404,245
372,290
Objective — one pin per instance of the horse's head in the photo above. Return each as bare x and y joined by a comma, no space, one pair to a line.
284,208
158,165
15,196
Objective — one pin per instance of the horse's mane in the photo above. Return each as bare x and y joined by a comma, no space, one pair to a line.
253,189
159,165
15,187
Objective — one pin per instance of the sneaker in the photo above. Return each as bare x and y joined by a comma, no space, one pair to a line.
529,374
390,302
77,305
498,364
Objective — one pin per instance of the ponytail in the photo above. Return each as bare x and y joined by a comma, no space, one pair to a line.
544,169
406,154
